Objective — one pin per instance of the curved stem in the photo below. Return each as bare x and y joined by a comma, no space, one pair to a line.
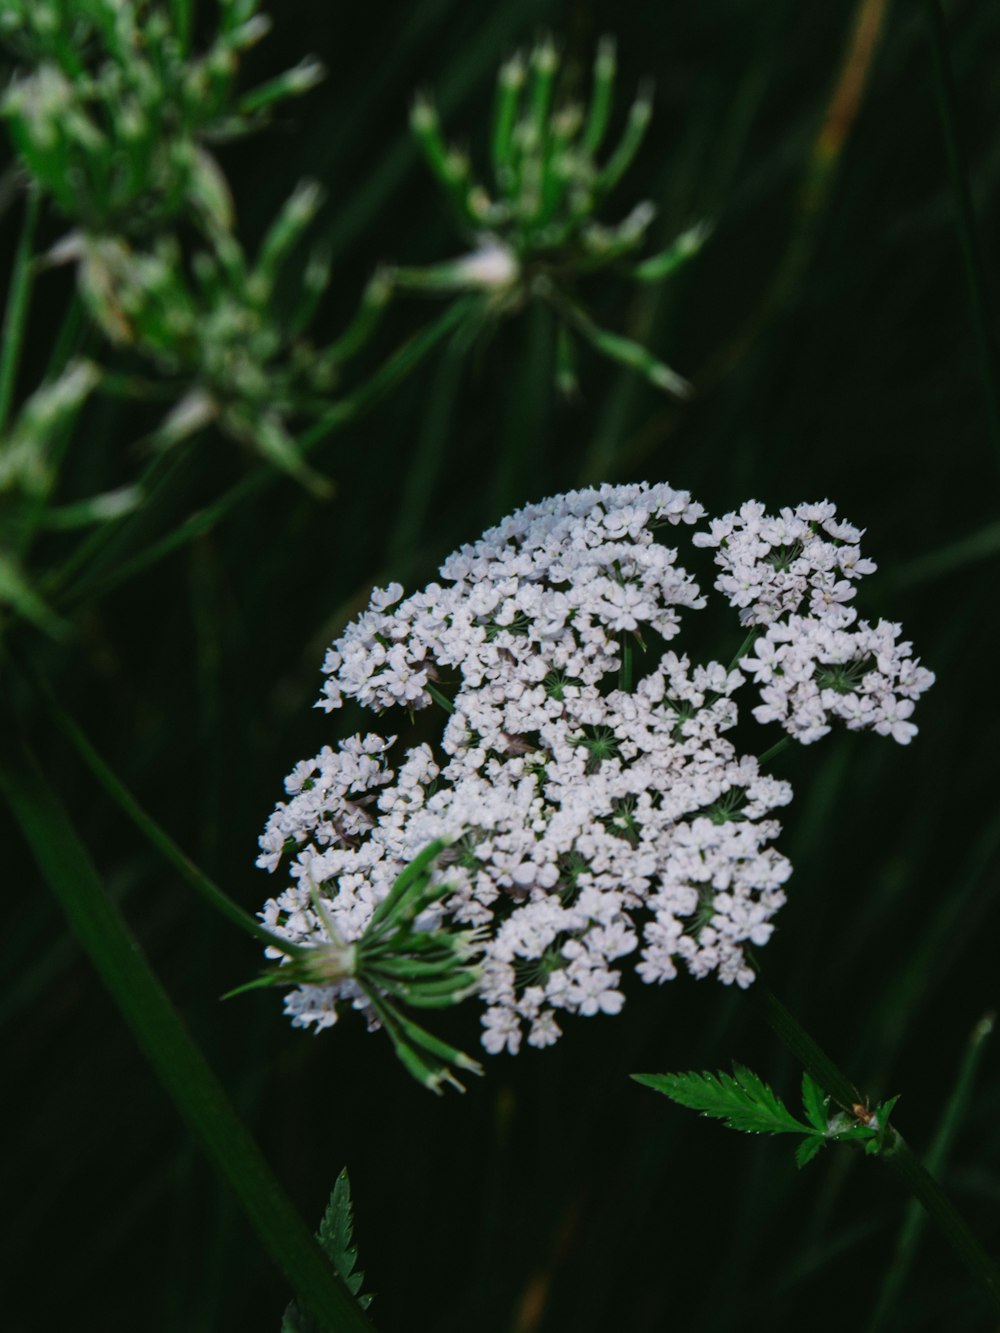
922,1185
897,1154
148,827
934,1159
179,1064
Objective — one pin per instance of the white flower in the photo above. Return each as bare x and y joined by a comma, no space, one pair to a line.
492,265
595,812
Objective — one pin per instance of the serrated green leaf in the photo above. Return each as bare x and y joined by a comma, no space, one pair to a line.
741,1099
336,1239
808,1149
814,1103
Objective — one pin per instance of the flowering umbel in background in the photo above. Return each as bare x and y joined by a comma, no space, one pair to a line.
590,811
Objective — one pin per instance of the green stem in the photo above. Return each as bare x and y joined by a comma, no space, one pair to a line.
179,1064
441,699
157,836
105,543
806,1050
625,670
745,647
16,315
922,1185
779,747
897,1154
982,314
934,1161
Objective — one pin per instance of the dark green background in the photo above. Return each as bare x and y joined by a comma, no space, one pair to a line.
835,355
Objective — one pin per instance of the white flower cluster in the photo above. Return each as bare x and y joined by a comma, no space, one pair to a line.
794,573
547,590
589,815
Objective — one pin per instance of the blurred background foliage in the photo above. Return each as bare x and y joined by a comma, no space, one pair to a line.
827,328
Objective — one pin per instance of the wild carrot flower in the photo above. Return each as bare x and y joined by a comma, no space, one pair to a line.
591,803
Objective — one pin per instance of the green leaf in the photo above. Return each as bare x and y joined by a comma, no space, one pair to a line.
885,1111
808,1149
814,1103
741,1099
336,1239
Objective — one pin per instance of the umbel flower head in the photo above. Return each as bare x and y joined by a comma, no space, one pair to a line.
593,805
534,222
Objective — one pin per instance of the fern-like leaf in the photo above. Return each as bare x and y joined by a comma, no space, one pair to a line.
336,1238
741,1099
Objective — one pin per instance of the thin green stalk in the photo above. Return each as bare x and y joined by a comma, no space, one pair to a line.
806,1050
38,510
744,648
779,747
975,274
983,544
625,670
157,836
897,1154
180,12
182,1069
108,539
16,315
399,365
934,1160
521,455
441,699
427,461
922,1185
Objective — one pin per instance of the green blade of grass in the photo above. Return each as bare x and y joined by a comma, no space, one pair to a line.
181,1068
427,462
16,313
897,1154
915,1219
975,273
156,836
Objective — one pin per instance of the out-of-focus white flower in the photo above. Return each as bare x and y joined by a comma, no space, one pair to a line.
492,265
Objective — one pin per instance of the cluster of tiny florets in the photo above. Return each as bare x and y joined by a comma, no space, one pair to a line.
795,573
592,801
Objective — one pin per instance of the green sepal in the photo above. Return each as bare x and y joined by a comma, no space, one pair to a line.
683,247
414,875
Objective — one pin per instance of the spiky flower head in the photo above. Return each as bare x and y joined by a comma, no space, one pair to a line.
536,223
